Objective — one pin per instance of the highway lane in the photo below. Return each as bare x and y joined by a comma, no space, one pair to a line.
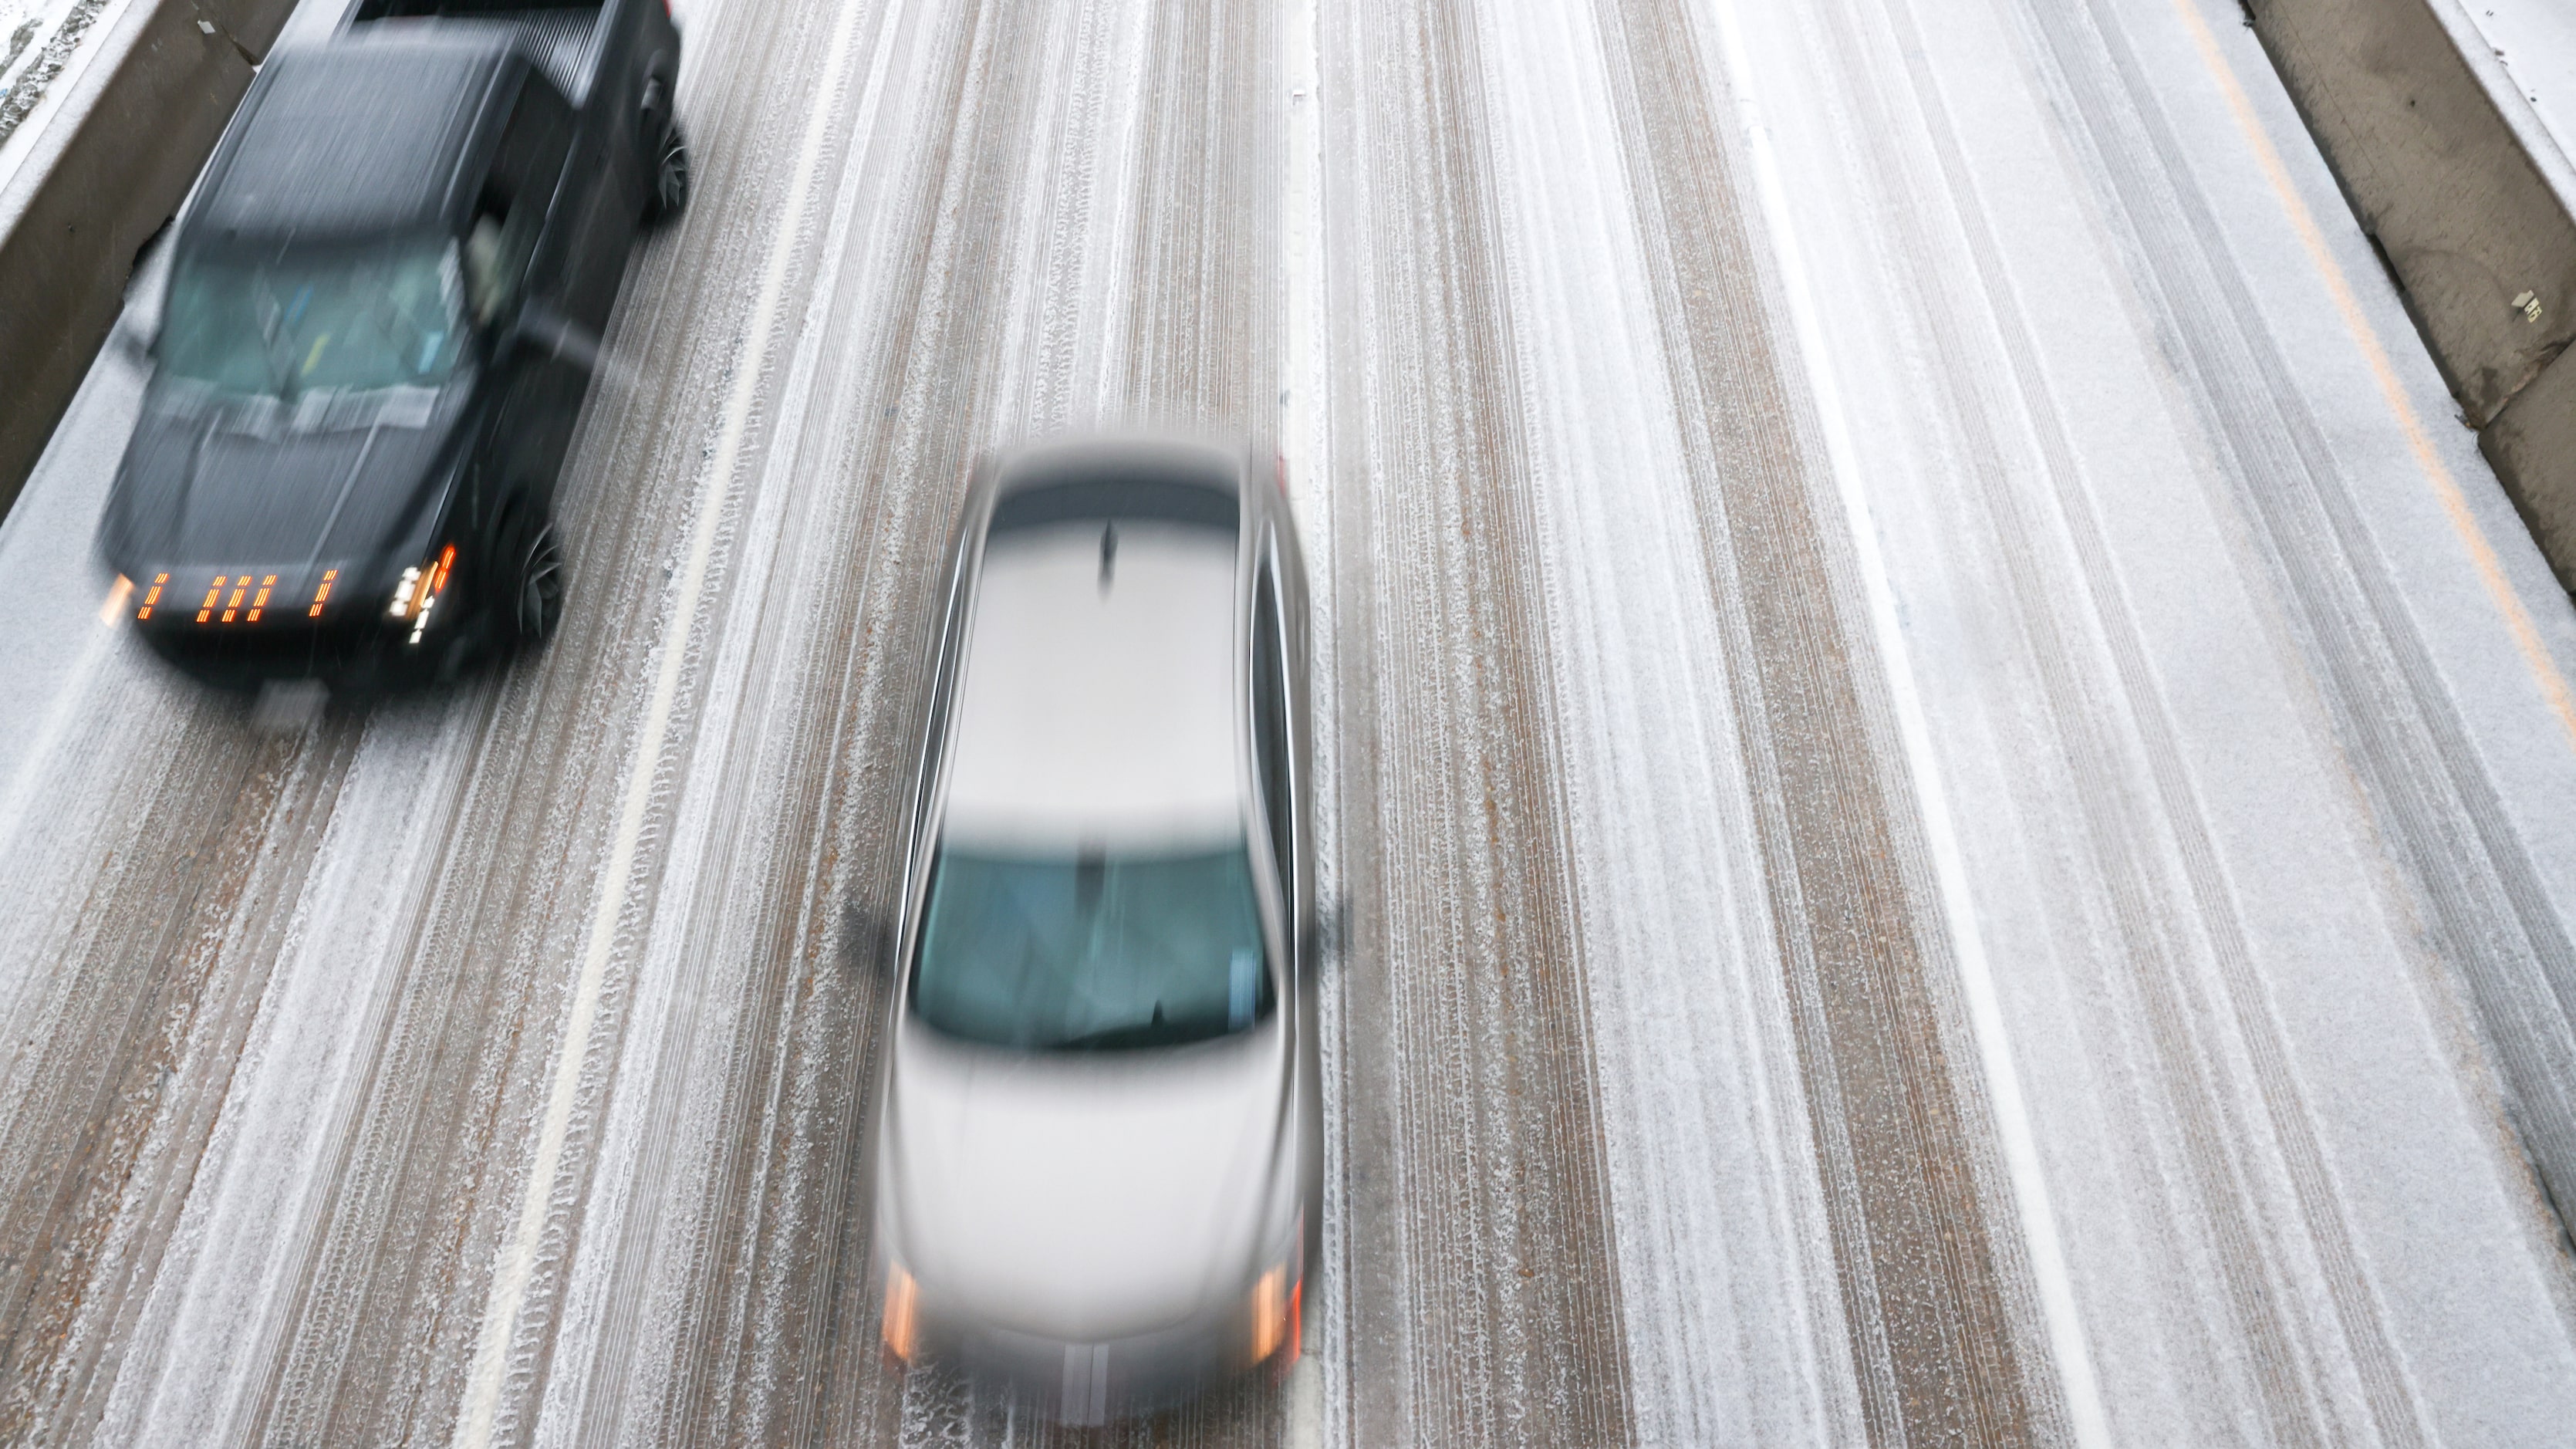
1930,815
2161,493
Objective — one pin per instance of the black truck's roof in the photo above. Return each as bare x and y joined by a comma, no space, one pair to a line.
351,139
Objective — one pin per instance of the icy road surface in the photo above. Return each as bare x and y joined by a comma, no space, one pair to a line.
1951,794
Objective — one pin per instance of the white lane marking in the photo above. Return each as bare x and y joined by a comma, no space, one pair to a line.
1985,1010
516,1258
1301,441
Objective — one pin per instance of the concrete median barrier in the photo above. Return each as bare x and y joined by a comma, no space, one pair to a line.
110,167
2473,206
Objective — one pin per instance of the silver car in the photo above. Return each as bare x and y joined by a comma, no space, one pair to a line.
1099,1143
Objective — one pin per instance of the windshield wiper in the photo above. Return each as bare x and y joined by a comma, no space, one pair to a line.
1154,1033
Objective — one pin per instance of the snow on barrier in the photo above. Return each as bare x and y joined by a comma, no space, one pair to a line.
2471,203
105,169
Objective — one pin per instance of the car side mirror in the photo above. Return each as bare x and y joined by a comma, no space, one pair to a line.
131,341
541,329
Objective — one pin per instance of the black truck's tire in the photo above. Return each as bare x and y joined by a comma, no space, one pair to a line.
532,575
668,193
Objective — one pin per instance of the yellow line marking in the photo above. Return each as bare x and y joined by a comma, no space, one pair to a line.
2455,505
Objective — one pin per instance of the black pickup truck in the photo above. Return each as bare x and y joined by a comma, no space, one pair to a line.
381,319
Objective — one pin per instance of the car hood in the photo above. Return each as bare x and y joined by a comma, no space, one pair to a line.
216,480
1082,1196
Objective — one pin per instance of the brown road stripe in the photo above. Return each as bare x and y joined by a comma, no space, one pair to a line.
629,1387
1200,347
736,1343
1942,1356
1480,1269
930,377
934,371
328,1365
174,950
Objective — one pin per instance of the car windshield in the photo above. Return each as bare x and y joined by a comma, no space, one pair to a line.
1091,951
387,316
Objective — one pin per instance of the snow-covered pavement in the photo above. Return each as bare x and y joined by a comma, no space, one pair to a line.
1951,793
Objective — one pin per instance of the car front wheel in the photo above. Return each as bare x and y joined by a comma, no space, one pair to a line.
532,562
670,193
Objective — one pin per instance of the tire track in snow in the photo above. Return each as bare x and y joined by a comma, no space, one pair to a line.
2250,1105
2488,913
1943,1336
1480,1293
2211,1053
740,1274
1199,350
128,1042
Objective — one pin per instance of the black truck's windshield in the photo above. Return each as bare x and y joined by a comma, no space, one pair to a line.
1091,952
388,316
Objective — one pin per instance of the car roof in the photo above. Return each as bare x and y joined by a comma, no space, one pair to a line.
1096,704
352,139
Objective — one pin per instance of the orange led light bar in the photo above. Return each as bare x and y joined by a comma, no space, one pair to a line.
213,592
152,596
322,595
261,600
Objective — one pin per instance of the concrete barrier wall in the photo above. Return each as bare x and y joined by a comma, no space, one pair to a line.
110,167
2474,208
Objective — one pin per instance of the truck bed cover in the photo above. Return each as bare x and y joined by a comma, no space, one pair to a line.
563,40
351,140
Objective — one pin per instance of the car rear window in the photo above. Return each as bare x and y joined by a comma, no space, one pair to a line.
1091,950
